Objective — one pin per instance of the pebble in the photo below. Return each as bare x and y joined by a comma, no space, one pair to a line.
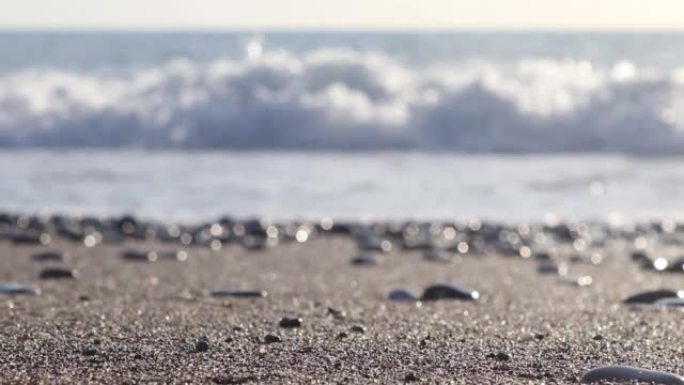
446,291
411,378
238,293
139,255
89,351
576,280
628,374
650,297
290,322
58,273
364,260
47,256
551,268
677,266
271,339
402,295
201,346
357,329
17,289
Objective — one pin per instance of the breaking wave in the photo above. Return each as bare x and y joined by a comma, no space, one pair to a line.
349,100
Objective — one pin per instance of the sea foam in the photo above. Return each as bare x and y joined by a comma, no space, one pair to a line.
346,99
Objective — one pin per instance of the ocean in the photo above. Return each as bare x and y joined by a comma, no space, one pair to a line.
505,126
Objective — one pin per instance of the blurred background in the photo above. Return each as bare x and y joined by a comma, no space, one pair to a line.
188,110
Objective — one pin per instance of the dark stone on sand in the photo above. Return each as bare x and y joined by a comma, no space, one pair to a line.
597,337
539,336
342,335
411,378
402,295
201,346
58,273
500,356
17,289
47,256
364,260
237,293
139,255
650,297
547,267
271,339
290,322
628,374
357,329
337,314
447,291
89,351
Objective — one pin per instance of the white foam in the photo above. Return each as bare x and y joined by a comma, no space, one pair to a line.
345,99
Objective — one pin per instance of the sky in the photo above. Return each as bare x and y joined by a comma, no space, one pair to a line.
347,14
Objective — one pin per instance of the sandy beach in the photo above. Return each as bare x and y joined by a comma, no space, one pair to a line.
127,322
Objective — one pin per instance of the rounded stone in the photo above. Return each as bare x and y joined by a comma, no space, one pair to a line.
289,323
58,273
237,293
402,295
447,291
629,374
650,297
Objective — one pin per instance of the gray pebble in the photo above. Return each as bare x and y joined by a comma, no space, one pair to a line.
402,295
17,289
630,374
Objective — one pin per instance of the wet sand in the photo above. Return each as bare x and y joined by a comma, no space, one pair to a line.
123,322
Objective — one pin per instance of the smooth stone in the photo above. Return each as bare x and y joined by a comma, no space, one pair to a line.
48,256
437,292
238,293
649,297
357,329
139,255
364,260
201,346
630,374
17,289
402,295
290,322
576,280
58,273
271,339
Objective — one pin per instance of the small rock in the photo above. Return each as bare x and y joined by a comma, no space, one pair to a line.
402,295
501,356
290,322
630,374
337,314
576,280
411,378
238,293
597,337
48,256
201,346
551,268
364,260
650,297
342,335
271,339
89,351
445,291
17,289
139,255
539,336
357,329
58,273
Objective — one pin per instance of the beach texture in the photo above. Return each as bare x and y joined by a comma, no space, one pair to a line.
126,322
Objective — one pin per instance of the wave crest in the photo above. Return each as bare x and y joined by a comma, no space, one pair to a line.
344,99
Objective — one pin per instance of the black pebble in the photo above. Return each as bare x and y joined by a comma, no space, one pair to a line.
201,346
649,297
411,378
89,351
437,292
501,356
271,339
364,260
238,293
290,322
58,273
47,256
357,329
